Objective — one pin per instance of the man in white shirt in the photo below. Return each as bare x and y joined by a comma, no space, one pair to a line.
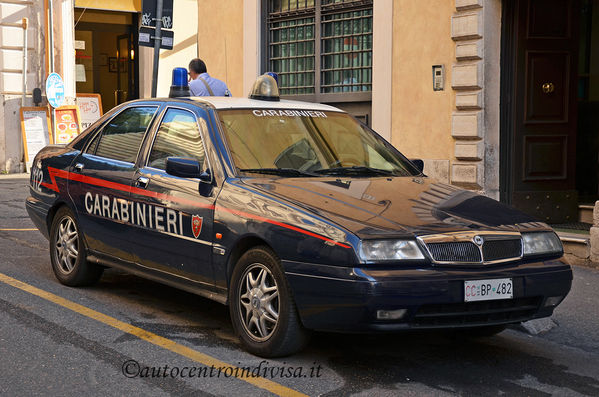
202,84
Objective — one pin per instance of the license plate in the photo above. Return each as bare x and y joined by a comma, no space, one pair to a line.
485,290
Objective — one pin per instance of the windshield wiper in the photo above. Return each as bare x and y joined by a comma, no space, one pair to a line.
278,171
354,170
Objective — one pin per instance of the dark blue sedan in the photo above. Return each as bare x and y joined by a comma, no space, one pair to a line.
295,215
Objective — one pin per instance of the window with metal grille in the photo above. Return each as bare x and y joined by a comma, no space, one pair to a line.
320,46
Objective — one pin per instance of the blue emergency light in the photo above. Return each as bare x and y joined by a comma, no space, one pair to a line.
179,87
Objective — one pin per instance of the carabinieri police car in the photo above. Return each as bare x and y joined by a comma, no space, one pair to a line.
295,215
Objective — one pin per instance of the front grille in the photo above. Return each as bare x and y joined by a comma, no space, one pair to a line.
494,250
476,313
455,252
473,247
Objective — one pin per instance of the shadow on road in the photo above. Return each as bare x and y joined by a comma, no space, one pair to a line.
443,361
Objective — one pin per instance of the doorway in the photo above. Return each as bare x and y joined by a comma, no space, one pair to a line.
587,150
549,117
107,48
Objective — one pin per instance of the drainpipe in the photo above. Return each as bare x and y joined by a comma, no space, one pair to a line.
51,36
51,63
24,62
157,43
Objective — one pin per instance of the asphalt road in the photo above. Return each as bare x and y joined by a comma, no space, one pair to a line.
59,340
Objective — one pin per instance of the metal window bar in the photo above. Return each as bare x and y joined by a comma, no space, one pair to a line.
346,60
294,57
299,63
347,52
291,54
292,8
345,2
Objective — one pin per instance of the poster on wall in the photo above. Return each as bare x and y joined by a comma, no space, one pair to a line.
90,109
67,124
35,130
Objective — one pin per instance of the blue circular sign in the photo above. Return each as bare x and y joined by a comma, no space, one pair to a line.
55,90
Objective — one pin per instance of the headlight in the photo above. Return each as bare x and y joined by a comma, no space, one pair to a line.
541,243
389,250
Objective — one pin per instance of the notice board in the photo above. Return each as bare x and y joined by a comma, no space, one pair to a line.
35,130
90,109
68,123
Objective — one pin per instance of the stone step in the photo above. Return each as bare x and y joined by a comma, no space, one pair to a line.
585,213
577,248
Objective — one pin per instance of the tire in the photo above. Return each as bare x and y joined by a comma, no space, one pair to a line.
262,307
68,252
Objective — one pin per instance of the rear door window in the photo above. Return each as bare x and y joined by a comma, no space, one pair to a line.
121,138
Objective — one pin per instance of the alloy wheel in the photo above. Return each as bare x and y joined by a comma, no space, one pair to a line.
259,302
67,245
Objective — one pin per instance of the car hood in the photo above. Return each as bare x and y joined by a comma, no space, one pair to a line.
395,207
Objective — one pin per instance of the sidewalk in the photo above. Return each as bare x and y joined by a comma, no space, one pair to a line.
22,175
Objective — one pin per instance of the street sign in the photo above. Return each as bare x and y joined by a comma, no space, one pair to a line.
146,38
149,13
55,90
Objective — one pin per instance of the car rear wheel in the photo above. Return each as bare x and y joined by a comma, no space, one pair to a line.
262,308
68,252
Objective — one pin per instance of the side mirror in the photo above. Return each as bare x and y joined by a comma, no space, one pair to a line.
183,167
419,164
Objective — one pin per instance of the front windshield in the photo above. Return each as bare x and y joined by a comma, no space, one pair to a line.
310,142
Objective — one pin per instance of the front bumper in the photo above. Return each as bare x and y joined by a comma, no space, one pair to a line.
346,299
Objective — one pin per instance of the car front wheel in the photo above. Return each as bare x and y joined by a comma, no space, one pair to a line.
68,252
262,308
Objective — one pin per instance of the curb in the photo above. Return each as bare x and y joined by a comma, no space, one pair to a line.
577,249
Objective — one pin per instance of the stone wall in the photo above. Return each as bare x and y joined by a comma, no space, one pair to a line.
595,235
467,82
476,31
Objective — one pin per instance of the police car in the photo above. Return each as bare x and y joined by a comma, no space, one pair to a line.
295,215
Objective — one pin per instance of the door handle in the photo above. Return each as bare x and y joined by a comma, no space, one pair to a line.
79,167
142,182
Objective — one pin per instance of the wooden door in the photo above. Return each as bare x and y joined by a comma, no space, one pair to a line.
544,99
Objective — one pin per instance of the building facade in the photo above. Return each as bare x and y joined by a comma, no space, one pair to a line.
12,42
496,96
93,45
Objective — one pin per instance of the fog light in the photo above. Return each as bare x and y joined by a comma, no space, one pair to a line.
390,314
553,301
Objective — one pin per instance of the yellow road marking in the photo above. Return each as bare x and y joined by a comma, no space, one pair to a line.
157,340
17,230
